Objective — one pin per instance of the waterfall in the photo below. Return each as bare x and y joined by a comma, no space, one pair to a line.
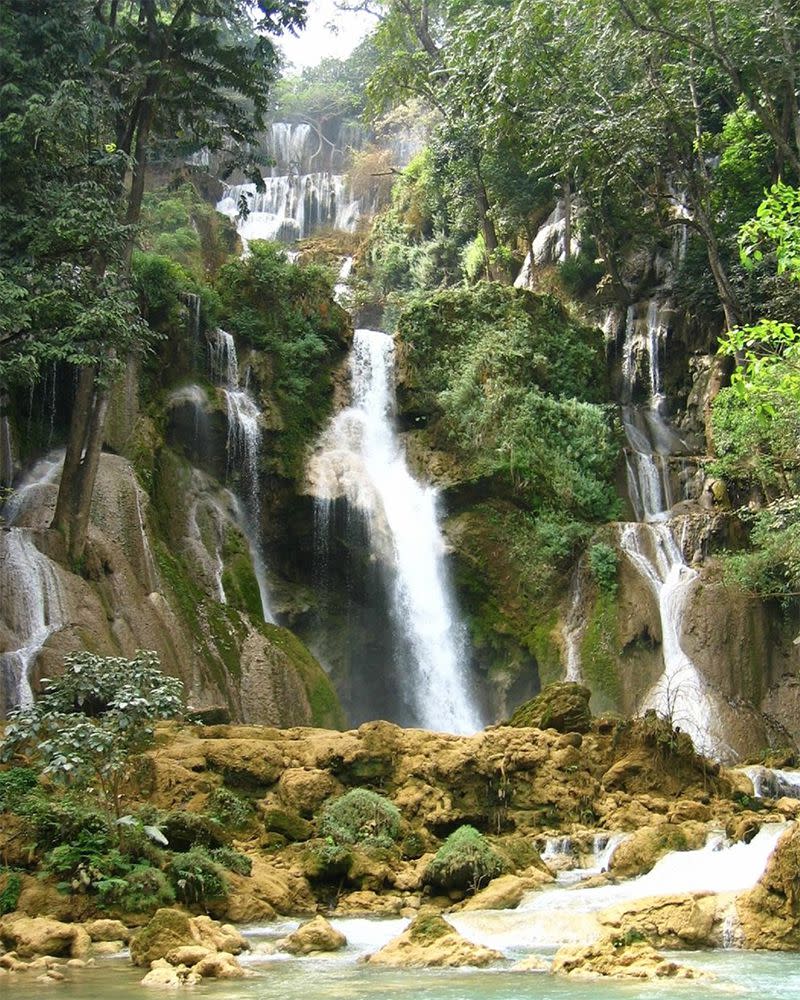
360,459
291,207
33,607
243,450
560,914
680,694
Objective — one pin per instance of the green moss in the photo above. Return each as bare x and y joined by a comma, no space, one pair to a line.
326,710
287,823
238,576
600,654
428,927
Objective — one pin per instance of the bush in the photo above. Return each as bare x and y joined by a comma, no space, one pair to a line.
9,893
229,809
234,861
65,821
184,830
88,866
146,889
603,562
361,817
197,878
466,860
15,785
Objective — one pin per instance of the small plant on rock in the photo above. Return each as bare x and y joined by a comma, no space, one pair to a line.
466,860
361,817
197,877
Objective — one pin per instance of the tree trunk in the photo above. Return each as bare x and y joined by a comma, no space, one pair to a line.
82,502
78,432
567,219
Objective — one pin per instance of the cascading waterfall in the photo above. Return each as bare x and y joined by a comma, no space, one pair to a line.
360,459
244,445
680,694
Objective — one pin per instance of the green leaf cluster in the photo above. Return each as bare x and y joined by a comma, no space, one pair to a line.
361,816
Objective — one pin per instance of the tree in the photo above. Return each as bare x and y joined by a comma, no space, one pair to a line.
171,75
91,723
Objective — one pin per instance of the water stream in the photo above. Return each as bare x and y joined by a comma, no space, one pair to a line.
360,460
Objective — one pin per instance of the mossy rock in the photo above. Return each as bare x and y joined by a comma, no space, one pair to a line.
465,861
287,823
167,929
326,862
184,829
563,706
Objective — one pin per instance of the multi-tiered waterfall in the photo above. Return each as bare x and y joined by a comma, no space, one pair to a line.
306,189
655,543
360,463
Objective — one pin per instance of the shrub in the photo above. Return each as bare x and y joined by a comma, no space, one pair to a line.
88,866
466,860
603,562
361,817
65,821
234,861
146,889
197,877
184,829
15,785
9,893
229,809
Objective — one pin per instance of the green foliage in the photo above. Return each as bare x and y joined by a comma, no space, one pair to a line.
15,783
475,260
197,878
92,721
233,860
229,809
771,569
466,860
603,563
9,894
287,311
581,273
361,817
145,890
514,383
53,821
184,829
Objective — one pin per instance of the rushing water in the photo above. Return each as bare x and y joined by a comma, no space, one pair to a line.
360,460
651,545
243,451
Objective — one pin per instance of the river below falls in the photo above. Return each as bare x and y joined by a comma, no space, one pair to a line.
747,975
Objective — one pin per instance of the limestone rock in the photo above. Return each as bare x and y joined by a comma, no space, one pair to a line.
218,937
164,976
642,849
611,957
189,954
563,706
31,936
219,965
430,942
107,930
506,892
770,913
167,929
364,901
316,935
680,921
305,789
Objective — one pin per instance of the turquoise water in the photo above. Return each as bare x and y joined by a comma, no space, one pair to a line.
746,975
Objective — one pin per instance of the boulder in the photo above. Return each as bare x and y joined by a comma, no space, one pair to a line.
315,935
171,929
164,976
305,789
107,930
167,929
614,958
506,892
219,965
188,954
364,901
769,914
32,936
430,942
679,921
639,852
563,706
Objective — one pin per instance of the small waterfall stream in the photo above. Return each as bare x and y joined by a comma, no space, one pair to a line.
243,450
360,459
651,545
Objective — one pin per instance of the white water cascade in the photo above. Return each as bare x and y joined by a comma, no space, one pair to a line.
651,545
360,459
550,917
244,445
